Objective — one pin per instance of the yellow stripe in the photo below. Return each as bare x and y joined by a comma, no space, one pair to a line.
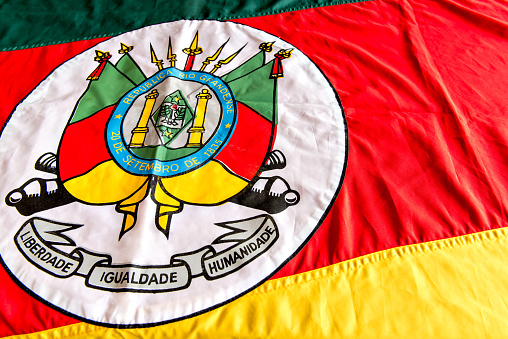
452,288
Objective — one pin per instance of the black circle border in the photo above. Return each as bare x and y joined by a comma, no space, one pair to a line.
164,322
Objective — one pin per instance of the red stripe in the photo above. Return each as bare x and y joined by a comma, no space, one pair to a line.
426,116
83,145
247,148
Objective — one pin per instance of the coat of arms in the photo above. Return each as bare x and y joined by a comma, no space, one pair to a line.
205,147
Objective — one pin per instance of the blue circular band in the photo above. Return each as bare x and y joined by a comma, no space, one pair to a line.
137,165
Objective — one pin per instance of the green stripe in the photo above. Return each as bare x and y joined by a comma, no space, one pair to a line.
33,23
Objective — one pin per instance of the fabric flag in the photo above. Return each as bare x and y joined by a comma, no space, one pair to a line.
254,169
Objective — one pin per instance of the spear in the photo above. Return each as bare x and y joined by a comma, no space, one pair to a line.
213,57
192,51
277,71
226,61
171,56
102,58
156,61
125,48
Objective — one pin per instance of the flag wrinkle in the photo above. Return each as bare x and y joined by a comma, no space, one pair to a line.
461,117
385,255
428,68
489,23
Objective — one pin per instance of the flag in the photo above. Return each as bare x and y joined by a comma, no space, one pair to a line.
337,169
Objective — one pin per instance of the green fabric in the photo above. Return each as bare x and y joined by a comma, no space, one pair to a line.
101,93
257,91
128,66
253,63
32,23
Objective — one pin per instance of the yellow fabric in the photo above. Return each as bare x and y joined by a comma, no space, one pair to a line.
160,195
108,183
105,183
210,184
452,288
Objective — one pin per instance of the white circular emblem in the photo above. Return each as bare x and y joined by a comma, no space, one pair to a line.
167,171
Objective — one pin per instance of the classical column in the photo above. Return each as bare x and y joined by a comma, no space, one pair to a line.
139,133
197,129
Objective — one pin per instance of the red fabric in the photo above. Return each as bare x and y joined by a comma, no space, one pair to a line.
19,312
83,145
424,104
246,150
